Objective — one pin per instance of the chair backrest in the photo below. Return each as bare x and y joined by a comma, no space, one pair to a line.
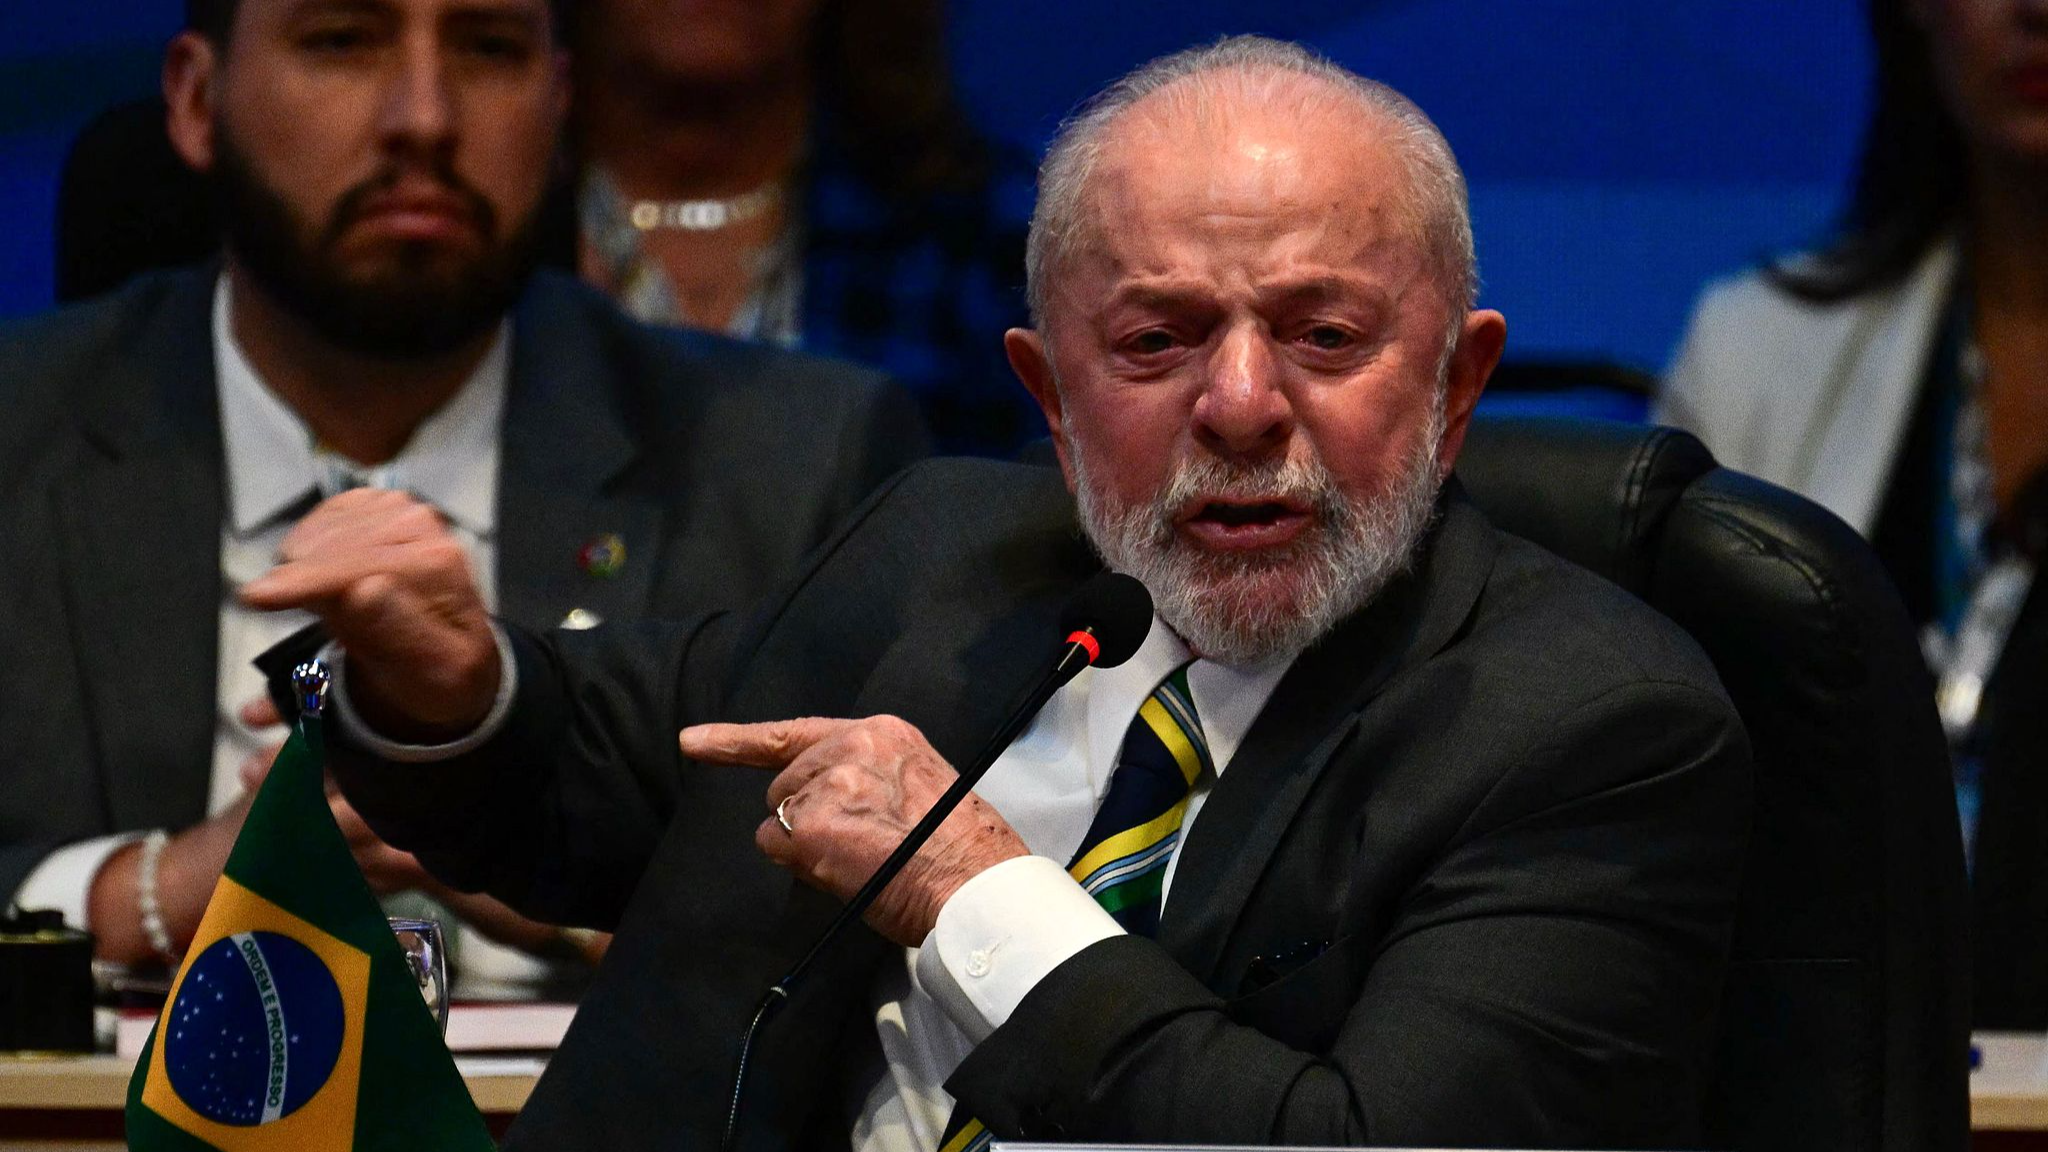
127,204
1579,388
1845,1021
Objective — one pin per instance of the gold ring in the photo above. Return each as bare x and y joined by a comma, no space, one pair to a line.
782,819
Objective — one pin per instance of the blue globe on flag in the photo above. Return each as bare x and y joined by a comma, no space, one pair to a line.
255,1031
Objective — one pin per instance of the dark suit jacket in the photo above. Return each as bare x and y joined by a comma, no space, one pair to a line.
718,464
1468,880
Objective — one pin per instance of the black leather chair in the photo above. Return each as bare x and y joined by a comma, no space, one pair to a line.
126,203
1845,1020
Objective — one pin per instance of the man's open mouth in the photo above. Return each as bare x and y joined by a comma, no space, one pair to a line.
1232,525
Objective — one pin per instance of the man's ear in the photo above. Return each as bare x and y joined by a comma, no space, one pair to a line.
191,72
1479,347
1031,360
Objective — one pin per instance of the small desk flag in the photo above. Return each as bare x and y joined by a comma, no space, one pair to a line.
294,1022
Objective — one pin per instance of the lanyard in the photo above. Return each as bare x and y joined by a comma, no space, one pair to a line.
1993,577
1964,661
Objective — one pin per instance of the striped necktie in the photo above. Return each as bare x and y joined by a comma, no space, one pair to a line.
1122,860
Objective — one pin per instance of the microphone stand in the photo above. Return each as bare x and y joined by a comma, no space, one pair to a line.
1080,653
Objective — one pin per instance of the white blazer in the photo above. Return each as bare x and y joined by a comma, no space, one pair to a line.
1813,397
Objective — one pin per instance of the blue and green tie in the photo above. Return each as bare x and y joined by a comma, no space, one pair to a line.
1122,860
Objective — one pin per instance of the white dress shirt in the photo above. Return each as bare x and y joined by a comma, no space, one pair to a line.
1008,928
274,471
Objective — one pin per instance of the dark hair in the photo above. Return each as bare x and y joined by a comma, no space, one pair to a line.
895,118
210,18
215,19
1909,182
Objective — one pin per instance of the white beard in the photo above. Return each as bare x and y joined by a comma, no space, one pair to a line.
1245,609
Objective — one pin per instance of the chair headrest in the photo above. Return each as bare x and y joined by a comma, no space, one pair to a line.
1638,470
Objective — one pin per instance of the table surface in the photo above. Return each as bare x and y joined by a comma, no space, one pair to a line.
2008,1091
498,1084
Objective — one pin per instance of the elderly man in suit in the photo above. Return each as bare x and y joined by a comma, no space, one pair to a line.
1395,829
374,322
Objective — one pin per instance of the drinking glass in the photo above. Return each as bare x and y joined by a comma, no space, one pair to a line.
426,956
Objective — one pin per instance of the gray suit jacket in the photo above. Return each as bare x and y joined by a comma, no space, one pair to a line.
1468,881
1813,397
720,465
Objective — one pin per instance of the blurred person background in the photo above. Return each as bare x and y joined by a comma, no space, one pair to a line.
1620,154
1899,375
800,172
795,172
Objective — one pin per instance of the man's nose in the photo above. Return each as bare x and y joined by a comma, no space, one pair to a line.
1244,410
419,108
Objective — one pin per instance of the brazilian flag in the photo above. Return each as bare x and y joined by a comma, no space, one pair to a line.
294,1022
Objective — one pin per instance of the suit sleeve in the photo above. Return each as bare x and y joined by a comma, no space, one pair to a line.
1551,982
558,813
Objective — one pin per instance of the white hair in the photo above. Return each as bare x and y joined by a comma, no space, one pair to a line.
1437,197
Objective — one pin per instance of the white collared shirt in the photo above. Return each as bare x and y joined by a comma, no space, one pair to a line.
1008,928
273,470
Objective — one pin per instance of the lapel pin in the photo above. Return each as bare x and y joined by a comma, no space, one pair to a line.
603,556
580,619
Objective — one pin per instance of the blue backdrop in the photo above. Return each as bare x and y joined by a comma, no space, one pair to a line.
1620,153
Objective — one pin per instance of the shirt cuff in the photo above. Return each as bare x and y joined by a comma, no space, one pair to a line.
64,879
1000,934
336,659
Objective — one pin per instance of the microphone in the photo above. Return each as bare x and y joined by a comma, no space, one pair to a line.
1105,621
1108,618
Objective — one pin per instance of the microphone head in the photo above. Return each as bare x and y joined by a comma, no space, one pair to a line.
1117,609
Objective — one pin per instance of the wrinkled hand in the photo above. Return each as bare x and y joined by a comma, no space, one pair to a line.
851,790
393,585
